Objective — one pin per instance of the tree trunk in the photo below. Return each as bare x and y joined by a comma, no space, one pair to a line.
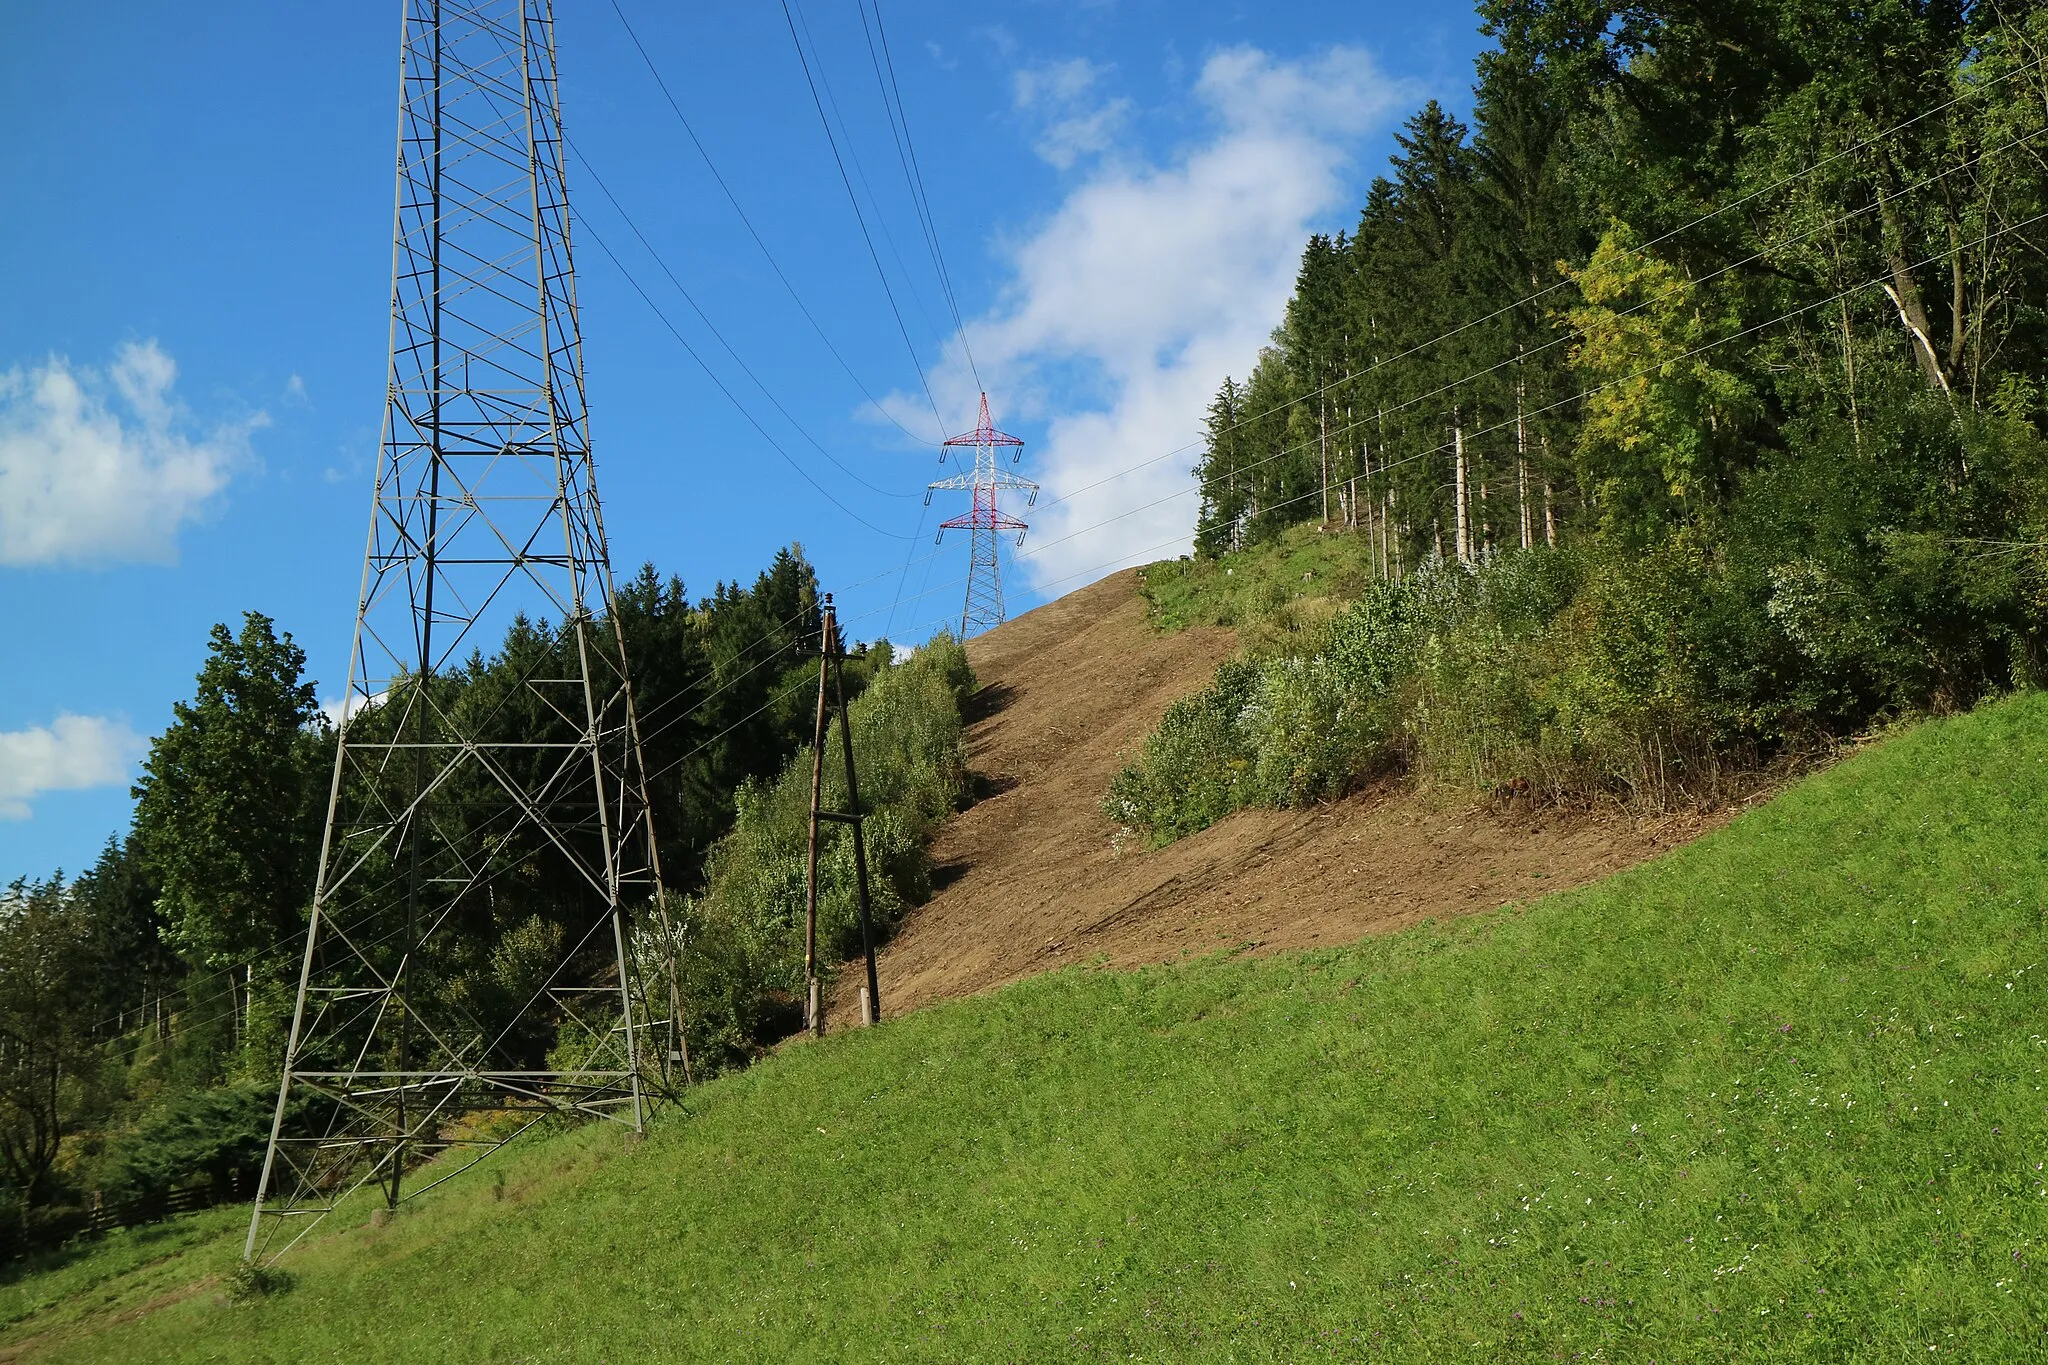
1957,312
1464,530
1904,293
1323,424
1521,464
1849,370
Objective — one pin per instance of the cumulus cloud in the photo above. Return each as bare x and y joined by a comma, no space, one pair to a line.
1151,282
340,710
1077,122
96,468
69,754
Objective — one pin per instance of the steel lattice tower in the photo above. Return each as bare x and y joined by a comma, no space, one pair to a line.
985,518
466,969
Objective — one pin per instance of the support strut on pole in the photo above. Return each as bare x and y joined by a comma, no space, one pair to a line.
831,701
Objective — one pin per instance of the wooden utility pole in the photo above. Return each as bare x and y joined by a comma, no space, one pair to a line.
831,698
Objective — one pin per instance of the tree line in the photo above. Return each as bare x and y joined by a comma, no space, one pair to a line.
1679,415
144,1003
1675,243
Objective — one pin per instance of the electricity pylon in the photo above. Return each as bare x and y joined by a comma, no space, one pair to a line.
984,519
467,969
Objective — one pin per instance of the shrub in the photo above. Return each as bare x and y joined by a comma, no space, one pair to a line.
1308,730
742,939
211,1136
249,1281
1574,670
1296,726
1197,766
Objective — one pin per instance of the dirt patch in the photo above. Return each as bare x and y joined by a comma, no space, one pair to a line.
27,1347
1031,878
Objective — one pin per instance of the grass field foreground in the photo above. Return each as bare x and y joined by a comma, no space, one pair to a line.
1776,1096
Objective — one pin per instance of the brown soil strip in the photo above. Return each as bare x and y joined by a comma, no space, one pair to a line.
23,1348
1032,878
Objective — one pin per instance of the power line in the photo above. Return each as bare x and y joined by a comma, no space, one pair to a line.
1567,336
712,375
854,199
713,327
1042,546
1551,288
904,578
860,170
913,173
759,242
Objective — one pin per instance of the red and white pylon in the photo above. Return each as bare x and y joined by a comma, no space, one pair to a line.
984,518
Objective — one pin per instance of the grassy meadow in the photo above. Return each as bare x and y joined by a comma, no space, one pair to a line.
1777,1096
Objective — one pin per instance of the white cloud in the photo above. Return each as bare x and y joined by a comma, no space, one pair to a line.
1150,283
95,468
69,754
340,710
1077,123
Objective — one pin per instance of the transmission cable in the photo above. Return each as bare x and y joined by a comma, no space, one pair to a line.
759,242
860,170
1566,336
804,60
712,375
1638,250
695,307
913,174
1569,334
1475,434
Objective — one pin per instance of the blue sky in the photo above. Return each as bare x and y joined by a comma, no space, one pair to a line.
197,247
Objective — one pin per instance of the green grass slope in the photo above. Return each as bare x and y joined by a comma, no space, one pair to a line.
1776,1096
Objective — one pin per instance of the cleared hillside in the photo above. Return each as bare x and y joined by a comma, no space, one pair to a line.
1774,1096
1033,877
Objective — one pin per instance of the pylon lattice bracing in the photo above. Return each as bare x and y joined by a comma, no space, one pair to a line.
985,519
467,969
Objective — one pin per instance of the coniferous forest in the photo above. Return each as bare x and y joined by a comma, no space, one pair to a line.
1682,411
144,1003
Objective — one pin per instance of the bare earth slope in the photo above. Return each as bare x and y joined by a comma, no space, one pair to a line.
1032,879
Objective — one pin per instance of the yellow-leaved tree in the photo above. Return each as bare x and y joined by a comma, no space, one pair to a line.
1661,420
